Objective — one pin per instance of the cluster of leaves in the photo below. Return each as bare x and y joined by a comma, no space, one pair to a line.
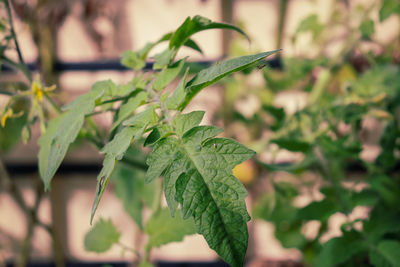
196,166
328,136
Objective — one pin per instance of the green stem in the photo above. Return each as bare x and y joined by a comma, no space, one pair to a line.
157,197
113,100
18,66
14,36
127,248
53,104
100,112
281,22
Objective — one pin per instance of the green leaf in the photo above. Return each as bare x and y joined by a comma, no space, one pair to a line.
196,24
85,103
381,223
386,254
158,133
133,60
198,174
168,75
137,60
387,188
129,107
54,145
292,144
214,73
178,95
310,24
388,8
130,188
163,229
367,28
102,180
340,249
162,156
164,58
185,122
366,197
278,114
102,236
319,210
146,117
120,142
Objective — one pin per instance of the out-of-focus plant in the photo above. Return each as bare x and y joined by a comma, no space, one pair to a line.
25,104
349,102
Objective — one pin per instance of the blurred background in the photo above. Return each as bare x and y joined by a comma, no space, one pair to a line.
338,56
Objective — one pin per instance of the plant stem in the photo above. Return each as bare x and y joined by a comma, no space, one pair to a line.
11,187
53,104
134,251
10,20
281,22
113,100
18,66
14,36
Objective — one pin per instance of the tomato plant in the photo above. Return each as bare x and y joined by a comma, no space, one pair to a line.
202,194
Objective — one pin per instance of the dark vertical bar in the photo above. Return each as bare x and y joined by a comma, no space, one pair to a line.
227,17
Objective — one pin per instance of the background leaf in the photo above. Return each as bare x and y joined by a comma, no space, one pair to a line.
130,188
163,229
102,236
386,254
340,249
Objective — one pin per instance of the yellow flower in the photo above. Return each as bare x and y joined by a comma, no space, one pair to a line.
38,91
8,114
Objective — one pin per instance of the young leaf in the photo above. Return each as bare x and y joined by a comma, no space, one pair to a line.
54,146
178,95
159,132
185,122
196,24
163,229
214,73
148,116
168,75
133,60
198,174
120,142
129,107
102,236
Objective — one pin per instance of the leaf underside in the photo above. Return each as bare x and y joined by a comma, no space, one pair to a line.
63,130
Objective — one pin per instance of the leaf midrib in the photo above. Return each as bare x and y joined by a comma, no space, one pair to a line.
186,151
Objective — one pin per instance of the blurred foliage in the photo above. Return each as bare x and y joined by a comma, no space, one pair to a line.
345,102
